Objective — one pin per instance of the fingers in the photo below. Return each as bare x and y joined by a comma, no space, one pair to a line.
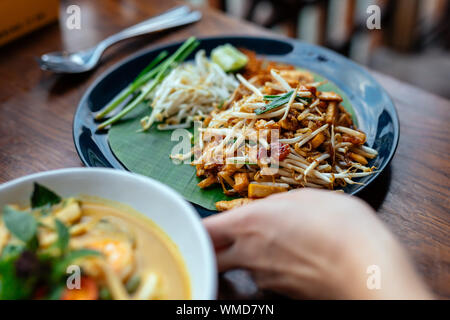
229,258
226,231
221,229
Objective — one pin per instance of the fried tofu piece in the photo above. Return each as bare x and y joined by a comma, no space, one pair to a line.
256,190
359,158
290,123
317,140
70,213
205,183
231,204
331,112
241,181
47,238
329,96
295,76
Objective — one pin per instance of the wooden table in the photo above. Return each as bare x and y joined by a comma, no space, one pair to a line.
36,112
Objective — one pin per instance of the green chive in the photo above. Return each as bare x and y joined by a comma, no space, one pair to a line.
171,62
276,102
139,81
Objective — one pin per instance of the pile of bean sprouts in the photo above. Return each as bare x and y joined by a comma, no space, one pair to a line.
189,92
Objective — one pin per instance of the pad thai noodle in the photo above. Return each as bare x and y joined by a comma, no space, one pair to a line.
266,127
279,132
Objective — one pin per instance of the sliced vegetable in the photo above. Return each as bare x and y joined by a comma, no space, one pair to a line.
11,286
88,291
105,294
297,98
133,283
148,287
229,58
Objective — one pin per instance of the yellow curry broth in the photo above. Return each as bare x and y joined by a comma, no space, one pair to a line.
153,249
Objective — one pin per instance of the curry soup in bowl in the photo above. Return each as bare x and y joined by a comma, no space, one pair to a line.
57,243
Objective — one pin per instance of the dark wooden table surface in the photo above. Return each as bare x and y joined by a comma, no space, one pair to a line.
36,112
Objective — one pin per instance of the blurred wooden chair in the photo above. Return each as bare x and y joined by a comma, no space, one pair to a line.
402,28
410,46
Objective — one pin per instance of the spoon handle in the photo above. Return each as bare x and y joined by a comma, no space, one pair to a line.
173,18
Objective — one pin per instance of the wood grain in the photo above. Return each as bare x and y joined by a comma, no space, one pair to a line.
36,113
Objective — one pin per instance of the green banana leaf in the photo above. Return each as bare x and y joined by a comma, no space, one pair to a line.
147,153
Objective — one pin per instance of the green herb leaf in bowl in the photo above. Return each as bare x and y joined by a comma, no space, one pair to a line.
63,235
42,196
20,223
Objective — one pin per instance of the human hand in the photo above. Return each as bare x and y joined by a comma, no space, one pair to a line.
314,244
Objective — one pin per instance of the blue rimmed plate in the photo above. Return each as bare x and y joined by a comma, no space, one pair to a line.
374,110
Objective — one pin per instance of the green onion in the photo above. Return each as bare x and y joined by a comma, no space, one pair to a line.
243,162
133,283
139,81
298,98
105,294
271,97
276,102
150,66
171,62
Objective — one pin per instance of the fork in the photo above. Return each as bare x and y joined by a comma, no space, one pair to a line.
85,60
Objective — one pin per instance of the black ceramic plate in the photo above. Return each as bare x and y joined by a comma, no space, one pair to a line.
374,110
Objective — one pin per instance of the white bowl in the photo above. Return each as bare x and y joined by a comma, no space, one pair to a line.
153,199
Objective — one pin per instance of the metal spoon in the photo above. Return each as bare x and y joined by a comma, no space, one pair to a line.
85,60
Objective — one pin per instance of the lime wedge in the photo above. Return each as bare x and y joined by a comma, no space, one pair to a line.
229,58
